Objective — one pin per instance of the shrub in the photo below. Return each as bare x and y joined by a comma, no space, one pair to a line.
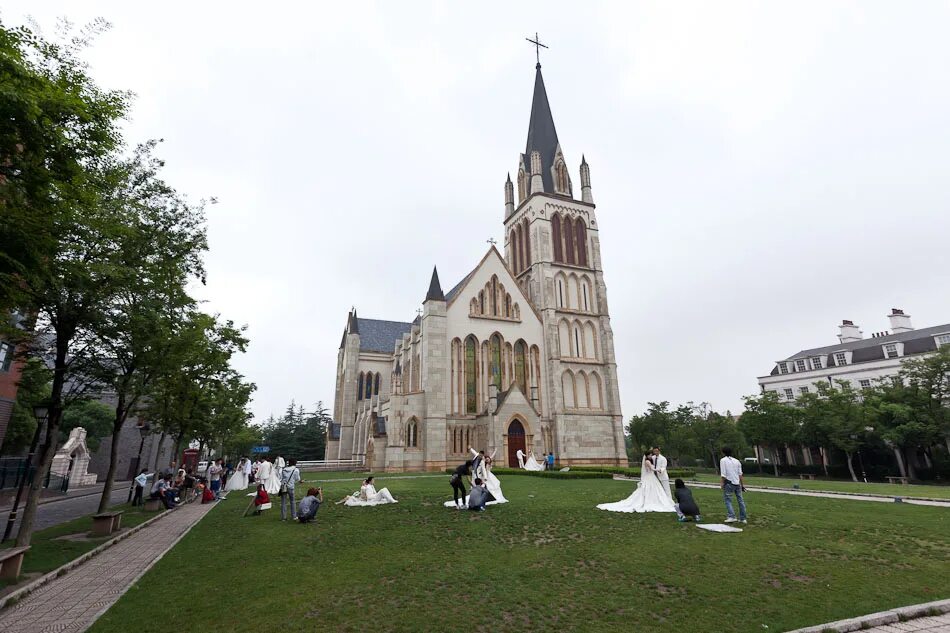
674,473
554,474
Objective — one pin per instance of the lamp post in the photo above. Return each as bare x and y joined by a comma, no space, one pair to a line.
40,412
144,430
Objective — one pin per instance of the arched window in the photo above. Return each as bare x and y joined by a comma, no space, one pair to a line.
590,340
481,302
416,372
521,367
569,241
585,295
471,376
581,390
567,388
580,237
578,348
495,369
494,295
527,244
369,385
522,186
359,387
508,306
376,385
571,293
412,434
556,238
559,283
516,312
564,338
560,177
516,250
596,400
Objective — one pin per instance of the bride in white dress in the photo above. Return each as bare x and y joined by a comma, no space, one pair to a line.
485,474
369,496
648,497
531,463
238,479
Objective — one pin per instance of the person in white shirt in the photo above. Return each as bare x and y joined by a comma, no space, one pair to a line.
659,468
730,471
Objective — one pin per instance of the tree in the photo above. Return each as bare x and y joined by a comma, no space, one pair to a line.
32,390
768,422
903,418
813,428
931,375
845,421
298,433
58,132
714,431
158,253
91,415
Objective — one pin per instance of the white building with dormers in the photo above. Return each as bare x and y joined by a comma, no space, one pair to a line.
856,359
519,354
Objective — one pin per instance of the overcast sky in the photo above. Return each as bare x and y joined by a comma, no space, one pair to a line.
761,170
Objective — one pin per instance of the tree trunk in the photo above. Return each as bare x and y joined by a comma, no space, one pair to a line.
775,462
25,533
824,459
715,463
158,451
908,459
900,461
121,412
854,477
927,462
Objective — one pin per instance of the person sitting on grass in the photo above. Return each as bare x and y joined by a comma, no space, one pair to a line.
309,505
478,496
685,505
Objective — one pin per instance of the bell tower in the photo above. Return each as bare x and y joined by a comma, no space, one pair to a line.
553,249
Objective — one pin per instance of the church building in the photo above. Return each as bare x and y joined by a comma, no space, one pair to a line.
519,354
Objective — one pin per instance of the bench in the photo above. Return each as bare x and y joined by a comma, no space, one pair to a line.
153,505
807,476
106,523
11,560
897,480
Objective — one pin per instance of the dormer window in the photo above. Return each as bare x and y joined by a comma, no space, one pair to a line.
816,362
840,359
890,350
783,368
943,339
800,365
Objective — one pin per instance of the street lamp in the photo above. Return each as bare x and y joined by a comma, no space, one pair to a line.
41,413
144,430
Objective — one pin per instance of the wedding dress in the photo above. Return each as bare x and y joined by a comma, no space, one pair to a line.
268,476
532,463
368,496
648,497
491,482
237,480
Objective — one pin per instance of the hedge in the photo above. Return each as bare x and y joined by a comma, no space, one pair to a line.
554,474
674,473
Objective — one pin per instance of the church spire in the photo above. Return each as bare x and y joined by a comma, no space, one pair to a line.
435,288
542,136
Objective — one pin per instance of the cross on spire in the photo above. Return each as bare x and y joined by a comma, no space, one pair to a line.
537,47
491,241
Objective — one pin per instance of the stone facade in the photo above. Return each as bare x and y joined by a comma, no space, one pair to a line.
519,354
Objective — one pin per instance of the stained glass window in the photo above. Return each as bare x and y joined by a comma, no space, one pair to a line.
470,377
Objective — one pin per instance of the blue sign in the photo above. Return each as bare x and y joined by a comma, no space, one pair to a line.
260,449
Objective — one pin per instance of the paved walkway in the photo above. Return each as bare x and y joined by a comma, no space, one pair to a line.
930,624
76,600
54,512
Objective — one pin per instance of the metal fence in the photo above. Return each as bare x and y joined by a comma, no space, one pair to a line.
12,471
330,464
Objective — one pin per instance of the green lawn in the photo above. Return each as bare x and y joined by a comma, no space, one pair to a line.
547,561
47,553
933,492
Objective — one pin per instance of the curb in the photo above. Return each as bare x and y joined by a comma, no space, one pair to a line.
901,614
22,592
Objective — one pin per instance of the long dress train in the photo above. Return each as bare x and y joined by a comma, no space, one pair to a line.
491,483
648,497
237,480
532,464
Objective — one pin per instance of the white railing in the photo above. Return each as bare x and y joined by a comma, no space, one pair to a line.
330,464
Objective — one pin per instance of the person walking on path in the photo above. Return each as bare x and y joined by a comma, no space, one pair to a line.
289,476
732,482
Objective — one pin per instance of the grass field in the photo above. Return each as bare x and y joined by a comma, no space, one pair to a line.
928,491
546,561
47,552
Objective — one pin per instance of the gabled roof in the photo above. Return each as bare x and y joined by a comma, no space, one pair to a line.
380,336
542,136
453,293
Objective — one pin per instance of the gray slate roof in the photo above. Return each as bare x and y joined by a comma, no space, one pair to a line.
542,137
871,349
455,289
380,336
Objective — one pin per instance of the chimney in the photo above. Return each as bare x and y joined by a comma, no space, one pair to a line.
900,322
849,332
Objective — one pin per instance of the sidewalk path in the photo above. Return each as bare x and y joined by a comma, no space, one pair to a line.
76,600
929,624
827,495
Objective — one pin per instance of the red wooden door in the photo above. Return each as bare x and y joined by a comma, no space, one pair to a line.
515,441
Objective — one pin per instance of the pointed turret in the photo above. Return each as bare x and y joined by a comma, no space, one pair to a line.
509,197
435,288
353,327
542,137
586,195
